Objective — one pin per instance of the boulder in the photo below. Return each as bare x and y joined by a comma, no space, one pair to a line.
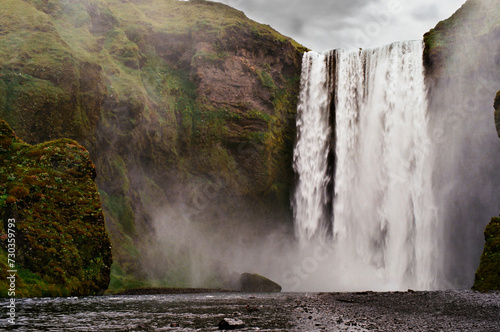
255,283
231,324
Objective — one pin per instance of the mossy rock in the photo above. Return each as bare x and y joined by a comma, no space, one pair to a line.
488,273
62,247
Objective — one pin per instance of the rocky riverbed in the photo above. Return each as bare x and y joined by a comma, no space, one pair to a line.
462,310
366,311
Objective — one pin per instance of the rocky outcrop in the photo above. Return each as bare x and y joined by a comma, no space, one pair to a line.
462,58
254,283
488,273
475,23
185,107
50,203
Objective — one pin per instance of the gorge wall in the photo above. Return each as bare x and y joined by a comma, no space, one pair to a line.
187,110
462,58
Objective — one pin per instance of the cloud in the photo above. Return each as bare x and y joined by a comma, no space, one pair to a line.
327,24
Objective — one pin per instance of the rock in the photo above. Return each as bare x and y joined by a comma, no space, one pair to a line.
488,273
61,240
252,309
496,105
254,283
231,324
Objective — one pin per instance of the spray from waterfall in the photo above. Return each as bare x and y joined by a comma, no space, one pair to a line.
376,196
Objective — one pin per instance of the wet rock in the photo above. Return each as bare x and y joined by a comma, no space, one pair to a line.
252,309
496,105
254,283
231,324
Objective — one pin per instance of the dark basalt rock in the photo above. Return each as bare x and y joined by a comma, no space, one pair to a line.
231,324
254,283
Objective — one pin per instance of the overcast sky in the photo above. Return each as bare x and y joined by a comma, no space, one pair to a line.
328,24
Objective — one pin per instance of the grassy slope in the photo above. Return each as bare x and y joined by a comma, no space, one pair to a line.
120,77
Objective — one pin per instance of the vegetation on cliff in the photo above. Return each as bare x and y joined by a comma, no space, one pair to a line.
187,107
463,75
61,244
488,273
476,21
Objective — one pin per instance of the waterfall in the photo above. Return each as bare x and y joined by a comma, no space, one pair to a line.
383,230
312,148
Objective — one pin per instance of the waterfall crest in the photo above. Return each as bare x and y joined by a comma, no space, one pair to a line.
382,218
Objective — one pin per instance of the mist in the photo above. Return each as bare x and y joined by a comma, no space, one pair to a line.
467,158
209,239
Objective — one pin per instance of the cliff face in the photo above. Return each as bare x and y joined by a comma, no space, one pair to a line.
185,107
488,272
61,245
462,58
496,105
476,23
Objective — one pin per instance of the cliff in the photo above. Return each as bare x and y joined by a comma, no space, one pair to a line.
187,110
58,234
462,58
488,272
476,23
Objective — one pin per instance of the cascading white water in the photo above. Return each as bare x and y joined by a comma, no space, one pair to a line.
312,148
384,225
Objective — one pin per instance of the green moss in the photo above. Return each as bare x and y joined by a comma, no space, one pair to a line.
120,208
266,79
61,245
122,281
488,273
